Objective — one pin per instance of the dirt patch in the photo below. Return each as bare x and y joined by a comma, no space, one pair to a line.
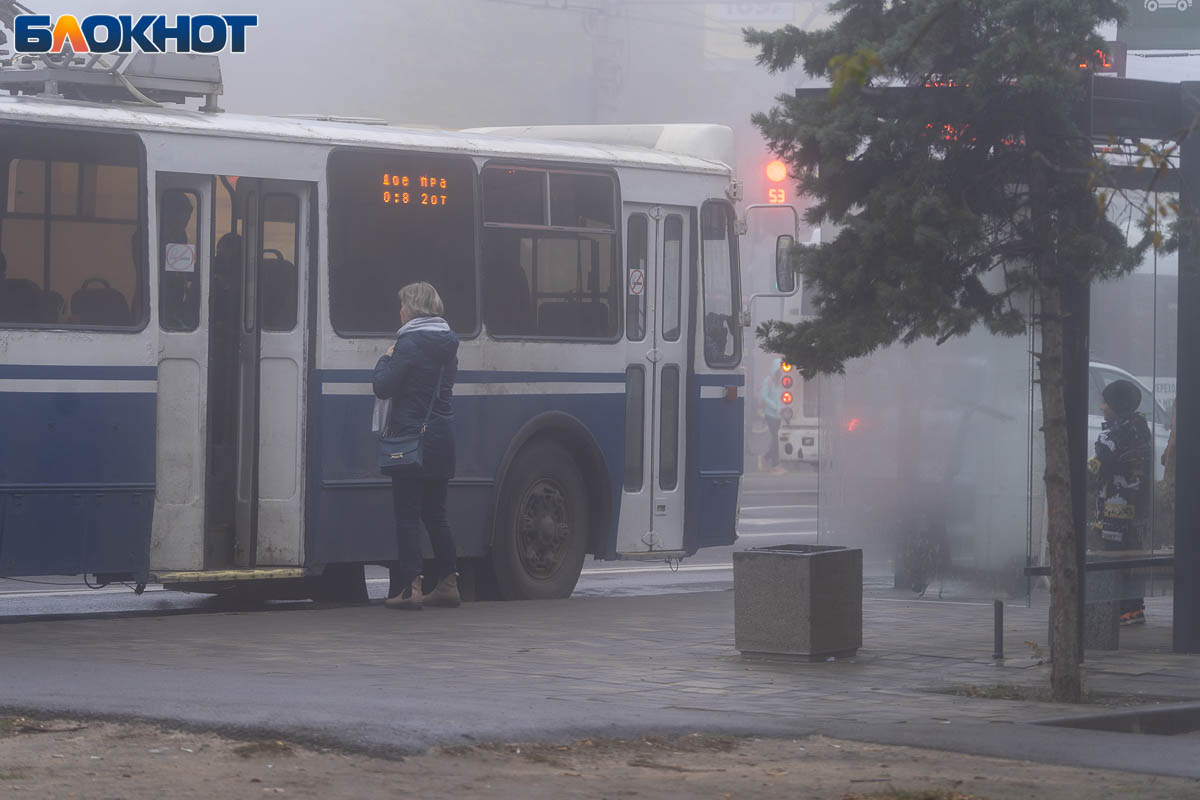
61,758
263,749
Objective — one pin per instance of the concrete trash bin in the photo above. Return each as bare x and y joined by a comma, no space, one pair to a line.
798,600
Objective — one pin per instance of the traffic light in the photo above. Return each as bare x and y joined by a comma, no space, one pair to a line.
777,173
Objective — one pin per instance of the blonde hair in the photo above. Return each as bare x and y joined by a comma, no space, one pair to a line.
422,300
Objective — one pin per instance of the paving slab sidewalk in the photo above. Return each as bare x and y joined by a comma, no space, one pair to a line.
391,682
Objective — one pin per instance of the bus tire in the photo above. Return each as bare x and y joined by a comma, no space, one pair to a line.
542,525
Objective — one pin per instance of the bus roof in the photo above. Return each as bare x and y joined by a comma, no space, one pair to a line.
335,133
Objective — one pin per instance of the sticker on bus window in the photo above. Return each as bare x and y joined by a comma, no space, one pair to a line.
180,258
637,281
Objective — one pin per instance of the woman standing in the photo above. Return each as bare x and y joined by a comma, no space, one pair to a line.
417,375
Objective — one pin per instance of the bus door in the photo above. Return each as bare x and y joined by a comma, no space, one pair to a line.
180,254
272,369
656,292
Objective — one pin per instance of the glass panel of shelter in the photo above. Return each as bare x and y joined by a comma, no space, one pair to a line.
1131,495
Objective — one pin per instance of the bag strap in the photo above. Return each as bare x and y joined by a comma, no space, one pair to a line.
437,390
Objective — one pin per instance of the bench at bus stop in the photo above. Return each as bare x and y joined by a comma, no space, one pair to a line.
1102,591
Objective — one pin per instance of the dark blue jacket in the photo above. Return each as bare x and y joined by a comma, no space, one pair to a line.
407,377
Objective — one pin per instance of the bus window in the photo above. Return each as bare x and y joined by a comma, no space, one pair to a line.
581,201
668,443
552,284
178,265
394,219
70,232
718,251
637,245
635,422
672,276
543,281
277,272
514,196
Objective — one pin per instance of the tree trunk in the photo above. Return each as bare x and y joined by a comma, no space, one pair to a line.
1065,679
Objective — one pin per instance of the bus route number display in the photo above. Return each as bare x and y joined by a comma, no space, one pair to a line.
415,190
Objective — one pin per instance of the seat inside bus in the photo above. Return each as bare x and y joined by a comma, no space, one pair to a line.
21,300
97,303
278,280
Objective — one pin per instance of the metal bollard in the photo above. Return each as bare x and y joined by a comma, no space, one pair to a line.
998,629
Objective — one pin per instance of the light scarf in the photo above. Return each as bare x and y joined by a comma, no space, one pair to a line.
383,408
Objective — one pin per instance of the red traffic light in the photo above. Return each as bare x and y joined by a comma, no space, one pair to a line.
786,381
776,171
787,398
853,425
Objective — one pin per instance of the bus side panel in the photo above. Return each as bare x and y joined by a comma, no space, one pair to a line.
715,436
76,472
354,519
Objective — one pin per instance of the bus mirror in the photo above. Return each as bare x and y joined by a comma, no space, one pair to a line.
785,276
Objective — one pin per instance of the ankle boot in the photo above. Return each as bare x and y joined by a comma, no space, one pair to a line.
409,599
446,593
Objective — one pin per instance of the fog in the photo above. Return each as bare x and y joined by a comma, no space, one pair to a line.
932,457
941,472
460,63
931,460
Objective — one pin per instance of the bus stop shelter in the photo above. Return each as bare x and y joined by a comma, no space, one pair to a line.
1130,111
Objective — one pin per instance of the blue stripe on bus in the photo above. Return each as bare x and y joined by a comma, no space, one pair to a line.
484,376
83,373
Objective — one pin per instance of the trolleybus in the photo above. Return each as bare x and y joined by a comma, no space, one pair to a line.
192,303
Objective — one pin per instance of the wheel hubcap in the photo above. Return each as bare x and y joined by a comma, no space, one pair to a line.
543,529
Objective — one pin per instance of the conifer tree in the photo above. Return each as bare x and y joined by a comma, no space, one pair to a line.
958,200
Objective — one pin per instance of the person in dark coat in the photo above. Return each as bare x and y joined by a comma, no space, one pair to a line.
406,379
1122,467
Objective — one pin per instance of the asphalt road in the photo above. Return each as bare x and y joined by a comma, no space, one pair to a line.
776,509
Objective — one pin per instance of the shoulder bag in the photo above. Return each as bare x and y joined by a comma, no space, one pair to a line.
406,453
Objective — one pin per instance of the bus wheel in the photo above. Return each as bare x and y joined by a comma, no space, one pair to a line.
542,525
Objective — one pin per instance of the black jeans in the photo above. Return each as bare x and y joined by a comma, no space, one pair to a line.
416,500
772,456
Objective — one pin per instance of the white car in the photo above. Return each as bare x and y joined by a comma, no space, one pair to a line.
1102,375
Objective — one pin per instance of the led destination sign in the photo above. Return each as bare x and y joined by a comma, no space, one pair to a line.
415,190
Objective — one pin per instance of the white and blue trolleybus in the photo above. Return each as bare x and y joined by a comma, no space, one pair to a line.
192,302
